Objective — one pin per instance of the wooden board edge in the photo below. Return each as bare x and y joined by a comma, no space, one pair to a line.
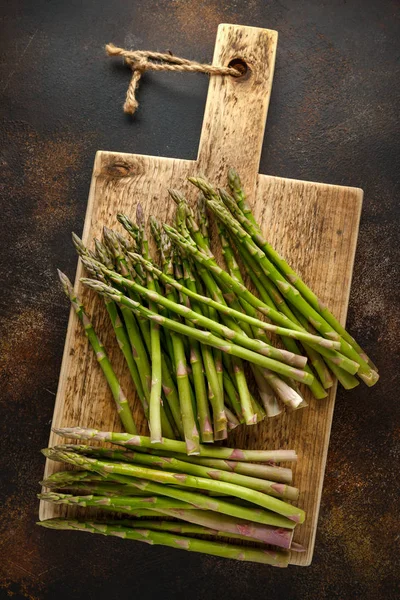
44,506
359,195
356,190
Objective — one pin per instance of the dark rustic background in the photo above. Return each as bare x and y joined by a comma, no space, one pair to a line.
333,118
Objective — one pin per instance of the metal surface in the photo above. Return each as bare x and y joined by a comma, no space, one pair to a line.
333,118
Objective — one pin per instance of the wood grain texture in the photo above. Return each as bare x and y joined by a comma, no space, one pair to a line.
314,225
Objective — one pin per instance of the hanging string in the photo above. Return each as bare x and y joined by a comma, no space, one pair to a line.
140,61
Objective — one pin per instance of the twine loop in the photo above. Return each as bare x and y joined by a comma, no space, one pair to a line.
140,61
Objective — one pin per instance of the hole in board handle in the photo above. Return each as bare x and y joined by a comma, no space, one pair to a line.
241,66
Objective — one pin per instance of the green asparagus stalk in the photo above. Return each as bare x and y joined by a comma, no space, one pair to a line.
274,473
232,397
233,421
238,193
120,399
171,463
95,488
202,219
262,471
204,337
220,427
275,558
208,362
267,394
137,441
184,389
156,368
281,538
188,528
196,362
68,478
122,504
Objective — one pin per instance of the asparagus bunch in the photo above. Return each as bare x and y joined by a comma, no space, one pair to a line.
279,279
212,497
187,327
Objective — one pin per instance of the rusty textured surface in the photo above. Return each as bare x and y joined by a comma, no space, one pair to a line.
333,118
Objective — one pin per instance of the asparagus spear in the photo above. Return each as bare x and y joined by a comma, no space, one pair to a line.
94,488
136,441
120,399
265,501
170,463
122,504
204,337
215,392
66,478
174,508
279,559
189,528
184,389
263,471
156,368
238,193
280,474
260,533
206,430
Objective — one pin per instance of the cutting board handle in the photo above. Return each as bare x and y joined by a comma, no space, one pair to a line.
236,107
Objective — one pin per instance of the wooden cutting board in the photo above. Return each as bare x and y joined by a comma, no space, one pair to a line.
312,224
